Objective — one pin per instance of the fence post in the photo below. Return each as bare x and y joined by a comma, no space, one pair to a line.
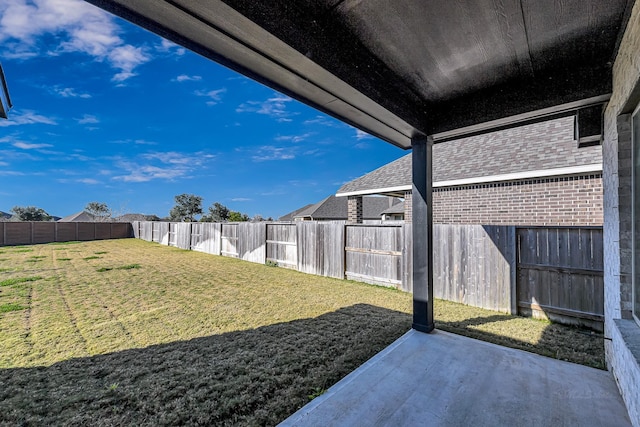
344,251
513,262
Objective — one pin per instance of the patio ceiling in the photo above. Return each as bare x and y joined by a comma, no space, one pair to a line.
404,68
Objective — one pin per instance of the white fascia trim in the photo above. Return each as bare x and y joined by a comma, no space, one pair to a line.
544,173
375,191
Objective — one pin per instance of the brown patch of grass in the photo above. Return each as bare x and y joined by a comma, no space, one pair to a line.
193,338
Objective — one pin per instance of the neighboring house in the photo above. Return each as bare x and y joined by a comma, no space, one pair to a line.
335,208
130,217
530,175
394,213
4,216
78,217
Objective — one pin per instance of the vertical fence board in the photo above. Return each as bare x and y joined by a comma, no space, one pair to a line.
43,232
17,233
473,265
374,254
567,285
229,240
282,245
407,258
252,241
321,248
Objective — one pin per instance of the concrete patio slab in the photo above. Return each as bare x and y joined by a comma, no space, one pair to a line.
442,379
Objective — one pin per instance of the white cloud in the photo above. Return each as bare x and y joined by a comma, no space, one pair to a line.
144,173
294,138
185,78
360,135
215,96
126,58
240,199
269,152
4,164
27,146
167,166
322,121
69,92
11,173
169,47
88,181
87,119
26,117
134,141
79,26
275,107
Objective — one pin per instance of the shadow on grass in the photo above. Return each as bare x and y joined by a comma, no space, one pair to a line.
572,344
254,377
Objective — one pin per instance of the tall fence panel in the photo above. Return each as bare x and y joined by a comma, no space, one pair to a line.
229,240
407,258
560,273
182,234
555,271
282,245
473,265
321,248
205,237
374,254
252,241
28,233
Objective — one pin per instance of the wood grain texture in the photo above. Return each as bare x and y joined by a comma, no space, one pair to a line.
560,273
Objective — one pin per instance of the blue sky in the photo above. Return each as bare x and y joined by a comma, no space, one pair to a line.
105,111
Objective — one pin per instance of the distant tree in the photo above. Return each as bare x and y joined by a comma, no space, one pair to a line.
99,211
186,208
238,217
217,213
29,213
152,218
257,218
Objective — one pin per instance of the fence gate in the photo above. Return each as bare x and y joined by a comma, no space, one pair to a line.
560,274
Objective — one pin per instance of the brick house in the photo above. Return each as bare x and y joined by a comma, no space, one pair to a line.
531,175
334,208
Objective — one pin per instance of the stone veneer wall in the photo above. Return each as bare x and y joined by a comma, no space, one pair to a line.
569,200
623,348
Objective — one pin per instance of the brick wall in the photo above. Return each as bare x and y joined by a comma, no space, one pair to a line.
408,203
575,200
354,209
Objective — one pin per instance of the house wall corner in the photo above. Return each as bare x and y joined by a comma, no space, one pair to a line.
621,351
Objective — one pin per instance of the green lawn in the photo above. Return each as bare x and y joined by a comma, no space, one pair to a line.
126,332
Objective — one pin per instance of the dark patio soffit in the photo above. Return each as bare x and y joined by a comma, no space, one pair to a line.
404,68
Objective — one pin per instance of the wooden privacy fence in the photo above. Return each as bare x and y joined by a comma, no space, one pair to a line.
28,233
555,271
560,273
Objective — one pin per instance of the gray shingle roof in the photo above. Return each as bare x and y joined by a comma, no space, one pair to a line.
291,215
539,146
335,208
78,217
395,209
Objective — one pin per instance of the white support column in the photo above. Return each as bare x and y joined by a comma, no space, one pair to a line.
422,218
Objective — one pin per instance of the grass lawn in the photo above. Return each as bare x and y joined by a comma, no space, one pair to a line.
125,332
